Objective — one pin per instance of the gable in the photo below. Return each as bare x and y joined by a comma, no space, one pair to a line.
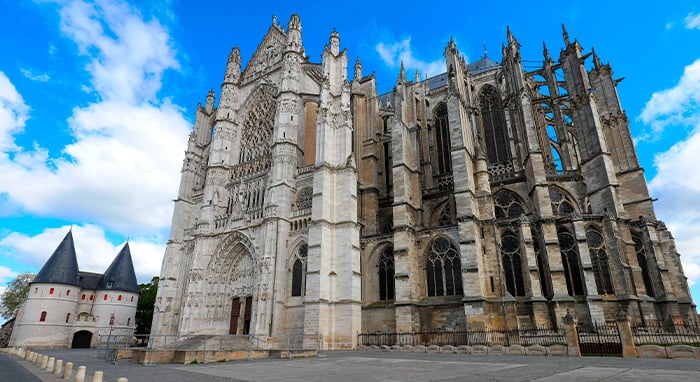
268,55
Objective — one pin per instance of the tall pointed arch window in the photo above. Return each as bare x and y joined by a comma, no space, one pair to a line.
494,124
385,269
299,271
443,145
443,269
571,262
512,263
508,204
599,261
643,264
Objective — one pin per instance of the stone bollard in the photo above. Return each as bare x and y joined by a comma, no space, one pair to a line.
59,368
27,355
44,361
50,365
97,377
80,374
68,370
122,379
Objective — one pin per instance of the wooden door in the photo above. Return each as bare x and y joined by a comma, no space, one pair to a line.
247,314
235,314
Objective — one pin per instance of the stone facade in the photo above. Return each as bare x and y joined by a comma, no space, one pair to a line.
311,207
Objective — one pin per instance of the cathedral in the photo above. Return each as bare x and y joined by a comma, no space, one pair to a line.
312,208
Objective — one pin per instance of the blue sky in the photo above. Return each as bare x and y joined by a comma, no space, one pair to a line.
97,99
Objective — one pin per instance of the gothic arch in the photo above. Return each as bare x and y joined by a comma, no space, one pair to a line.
562,202
508,204
443,270
573,272
644,263
297,268
442,145
370,264
599,260
512,262
444,213
234,265
493,123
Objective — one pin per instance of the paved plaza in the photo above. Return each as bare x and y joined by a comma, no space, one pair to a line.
382,366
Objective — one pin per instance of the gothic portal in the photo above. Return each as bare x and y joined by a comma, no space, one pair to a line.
312,208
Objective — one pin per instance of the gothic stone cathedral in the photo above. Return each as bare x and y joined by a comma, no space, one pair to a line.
313,208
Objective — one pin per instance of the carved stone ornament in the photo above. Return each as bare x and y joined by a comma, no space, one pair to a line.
569,318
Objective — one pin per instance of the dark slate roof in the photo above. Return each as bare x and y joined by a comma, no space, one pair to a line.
120,275
482,65
437,81
89,280
62,266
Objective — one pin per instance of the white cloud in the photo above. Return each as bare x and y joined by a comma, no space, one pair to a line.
34,77
675,106
94,251
396,52
122,169
675,185
13,114
128,53
7,274
692,21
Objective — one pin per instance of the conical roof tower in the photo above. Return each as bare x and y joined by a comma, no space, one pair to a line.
62,266
120,275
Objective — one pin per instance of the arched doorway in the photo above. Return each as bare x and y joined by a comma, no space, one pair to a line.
81,340
231,279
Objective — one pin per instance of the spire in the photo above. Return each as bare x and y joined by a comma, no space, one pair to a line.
451,46
120,275
62,266
294,22
402,74
294,34
545,52
358,69
565,34
596,59
486,53
511,38
210,101
417,76
335,42
233,67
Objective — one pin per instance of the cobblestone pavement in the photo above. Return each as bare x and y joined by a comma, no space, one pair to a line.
386,366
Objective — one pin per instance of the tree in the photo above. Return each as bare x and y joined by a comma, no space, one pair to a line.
15,294
144,309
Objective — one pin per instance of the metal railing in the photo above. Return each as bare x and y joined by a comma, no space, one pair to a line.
525,336
663,334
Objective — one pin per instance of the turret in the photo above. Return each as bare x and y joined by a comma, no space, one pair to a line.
62,266
117,295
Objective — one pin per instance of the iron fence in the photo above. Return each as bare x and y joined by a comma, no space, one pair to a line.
599,339
525,336
666,334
